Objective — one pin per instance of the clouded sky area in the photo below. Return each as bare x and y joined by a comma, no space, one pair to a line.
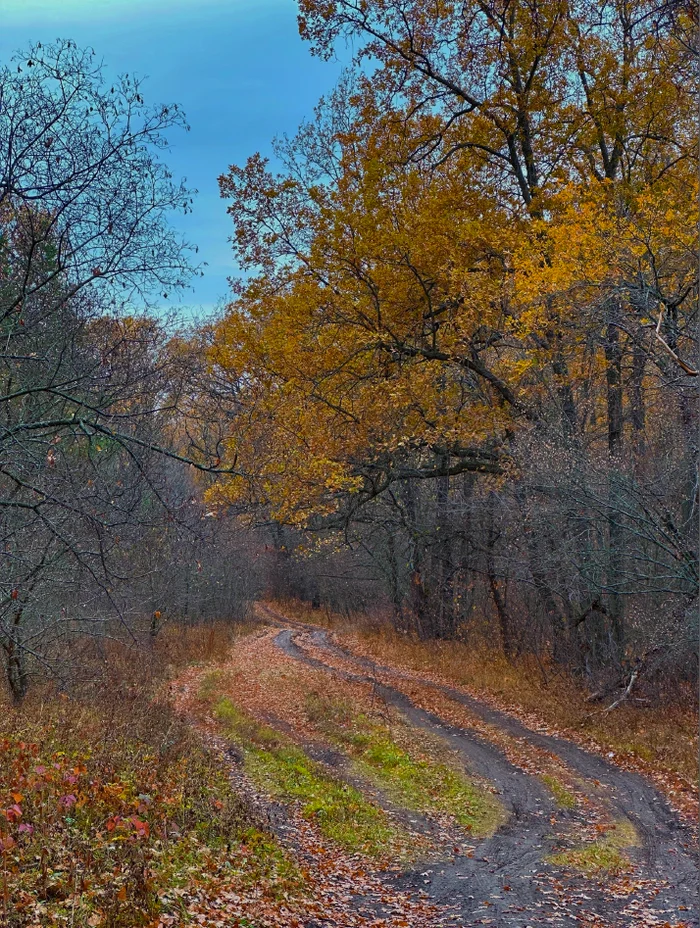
237,67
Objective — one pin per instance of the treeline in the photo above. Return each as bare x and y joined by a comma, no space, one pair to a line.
457,379
467,342
103,533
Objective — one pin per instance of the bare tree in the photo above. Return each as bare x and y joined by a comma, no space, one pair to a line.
87,388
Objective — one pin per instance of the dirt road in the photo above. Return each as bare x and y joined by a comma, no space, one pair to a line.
514,877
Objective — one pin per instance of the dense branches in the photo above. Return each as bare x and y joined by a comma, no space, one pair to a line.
484,250
87,396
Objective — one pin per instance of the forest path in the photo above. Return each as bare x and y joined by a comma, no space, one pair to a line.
507,878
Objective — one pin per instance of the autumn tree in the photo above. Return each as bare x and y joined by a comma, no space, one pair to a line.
484,247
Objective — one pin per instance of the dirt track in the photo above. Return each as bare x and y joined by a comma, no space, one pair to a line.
508,881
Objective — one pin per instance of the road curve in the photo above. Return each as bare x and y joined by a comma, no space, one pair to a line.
508,880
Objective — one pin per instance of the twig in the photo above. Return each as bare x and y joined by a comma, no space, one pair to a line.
614,705
690,371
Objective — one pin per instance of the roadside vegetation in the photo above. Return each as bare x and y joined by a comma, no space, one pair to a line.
113,813
280,714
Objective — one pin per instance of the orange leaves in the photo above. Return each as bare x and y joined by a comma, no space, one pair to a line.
436,258
355,350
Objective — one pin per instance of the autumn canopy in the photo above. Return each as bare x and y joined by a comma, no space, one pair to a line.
489,228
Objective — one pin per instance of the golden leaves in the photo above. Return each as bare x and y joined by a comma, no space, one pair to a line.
412,290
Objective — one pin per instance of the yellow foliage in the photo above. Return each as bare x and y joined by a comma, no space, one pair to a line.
407,306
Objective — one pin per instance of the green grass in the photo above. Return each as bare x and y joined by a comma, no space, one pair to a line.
411,778
339,810
563,797
602,857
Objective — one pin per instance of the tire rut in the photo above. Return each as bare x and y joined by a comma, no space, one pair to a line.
629,794
508,879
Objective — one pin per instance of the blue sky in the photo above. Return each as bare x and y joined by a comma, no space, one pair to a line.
238,68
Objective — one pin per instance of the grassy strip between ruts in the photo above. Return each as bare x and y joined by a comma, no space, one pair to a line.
602,857
284,770
564,797
409,775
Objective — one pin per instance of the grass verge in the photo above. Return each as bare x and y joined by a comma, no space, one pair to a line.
284,770
563,796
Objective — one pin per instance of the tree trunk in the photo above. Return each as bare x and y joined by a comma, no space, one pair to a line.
418,595
504,623
15,663
637,410
394,581
613,376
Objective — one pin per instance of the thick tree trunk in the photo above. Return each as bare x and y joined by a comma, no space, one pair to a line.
637,409
418,595
502,613
569,419
394,581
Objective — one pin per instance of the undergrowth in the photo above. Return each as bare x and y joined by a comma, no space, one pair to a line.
111,811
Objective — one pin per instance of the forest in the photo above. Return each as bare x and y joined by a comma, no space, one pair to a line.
430,473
